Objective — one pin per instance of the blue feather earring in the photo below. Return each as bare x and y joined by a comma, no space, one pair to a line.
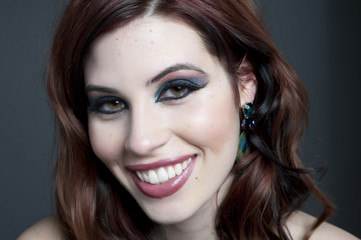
243,146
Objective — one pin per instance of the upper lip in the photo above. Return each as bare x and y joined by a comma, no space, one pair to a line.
160,163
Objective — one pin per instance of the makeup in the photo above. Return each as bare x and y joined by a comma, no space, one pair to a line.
180,105
162,178
178,88
176,68
106,105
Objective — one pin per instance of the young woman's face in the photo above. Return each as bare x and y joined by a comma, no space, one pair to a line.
162,116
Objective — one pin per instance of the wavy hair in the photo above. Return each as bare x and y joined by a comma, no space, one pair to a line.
269,184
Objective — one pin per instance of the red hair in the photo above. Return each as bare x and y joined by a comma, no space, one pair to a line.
268,185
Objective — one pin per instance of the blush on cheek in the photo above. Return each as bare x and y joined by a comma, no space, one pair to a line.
210,125
105,143
221,131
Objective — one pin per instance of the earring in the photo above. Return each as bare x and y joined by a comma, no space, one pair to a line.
243,146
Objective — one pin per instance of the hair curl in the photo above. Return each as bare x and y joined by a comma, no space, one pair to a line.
268,185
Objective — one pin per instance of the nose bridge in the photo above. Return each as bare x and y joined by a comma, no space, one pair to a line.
146,132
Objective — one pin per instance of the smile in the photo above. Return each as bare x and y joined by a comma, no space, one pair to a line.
163,174
162,178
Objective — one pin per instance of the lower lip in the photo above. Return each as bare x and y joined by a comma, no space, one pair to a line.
164,189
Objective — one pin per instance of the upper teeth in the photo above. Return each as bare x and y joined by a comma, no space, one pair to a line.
163,174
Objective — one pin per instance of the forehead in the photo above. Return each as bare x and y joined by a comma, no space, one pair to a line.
144,46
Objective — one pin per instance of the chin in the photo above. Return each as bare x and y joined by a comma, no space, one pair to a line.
166,216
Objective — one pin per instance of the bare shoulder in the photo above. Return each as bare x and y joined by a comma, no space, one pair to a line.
46,229
299,223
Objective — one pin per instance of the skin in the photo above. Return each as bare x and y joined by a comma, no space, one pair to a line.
298,224
204,123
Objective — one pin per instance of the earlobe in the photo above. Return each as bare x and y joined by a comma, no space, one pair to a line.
247,82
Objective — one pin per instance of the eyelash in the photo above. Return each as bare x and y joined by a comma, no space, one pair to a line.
189,85
103,105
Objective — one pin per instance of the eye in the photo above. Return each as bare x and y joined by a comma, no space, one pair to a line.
176,92
177,89
107,105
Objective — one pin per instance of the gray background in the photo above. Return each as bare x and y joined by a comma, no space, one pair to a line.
320,38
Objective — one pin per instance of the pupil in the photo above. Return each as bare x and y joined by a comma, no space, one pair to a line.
177,89
114,104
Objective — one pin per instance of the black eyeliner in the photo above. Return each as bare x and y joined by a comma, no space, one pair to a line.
191,83
95,104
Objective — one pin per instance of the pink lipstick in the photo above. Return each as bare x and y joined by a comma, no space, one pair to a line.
163,178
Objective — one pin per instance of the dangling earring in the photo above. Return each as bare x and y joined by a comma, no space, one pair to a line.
243,147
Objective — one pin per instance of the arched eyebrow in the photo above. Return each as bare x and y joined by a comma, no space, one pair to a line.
102,89
174,68
165,72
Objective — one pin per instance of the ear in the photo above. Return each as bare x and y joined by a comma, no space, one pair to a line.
247,82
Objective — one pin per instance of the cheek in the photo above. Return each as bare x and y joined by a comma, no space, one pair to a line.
213,124
106,139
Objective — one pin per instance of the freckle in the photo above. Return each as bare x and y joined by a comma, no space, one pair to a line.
196,178
151,42
135,40
118,53
117,39
150,30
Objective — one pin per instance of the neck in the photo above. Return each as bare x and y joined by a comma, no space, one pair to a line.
200,226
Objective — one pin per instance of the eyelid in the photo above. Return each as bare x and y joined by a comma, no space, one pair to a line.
192,84
95,104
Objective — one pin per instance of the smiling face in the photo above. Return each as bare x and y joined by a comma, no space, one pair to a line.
162,116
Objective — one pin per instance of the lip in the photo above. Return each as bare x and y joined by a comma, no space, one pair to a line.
160,163
164,189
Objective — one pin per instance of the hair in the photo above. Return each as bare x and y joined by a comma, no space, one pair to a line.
269,184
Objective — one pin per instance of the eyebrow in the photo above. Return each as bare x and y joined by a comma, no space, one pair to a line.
174,68
96,88
165,72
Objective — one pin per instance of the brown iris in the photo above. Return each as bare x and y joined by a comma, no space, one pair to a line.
115,105
178,90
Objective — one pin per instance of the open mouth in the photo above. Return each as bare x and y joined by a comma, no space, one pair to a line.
163,178
163,174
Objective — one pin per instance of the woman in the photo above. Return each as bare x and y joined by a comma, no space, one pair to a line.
177,120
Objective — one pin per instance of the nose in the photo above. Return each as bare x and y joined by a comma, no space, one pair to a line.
147,131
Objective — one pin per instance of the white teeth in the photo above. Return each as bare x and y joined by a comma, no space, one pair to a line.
178,169
140,176
171,172
184,165
163,175
153,177
146,178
